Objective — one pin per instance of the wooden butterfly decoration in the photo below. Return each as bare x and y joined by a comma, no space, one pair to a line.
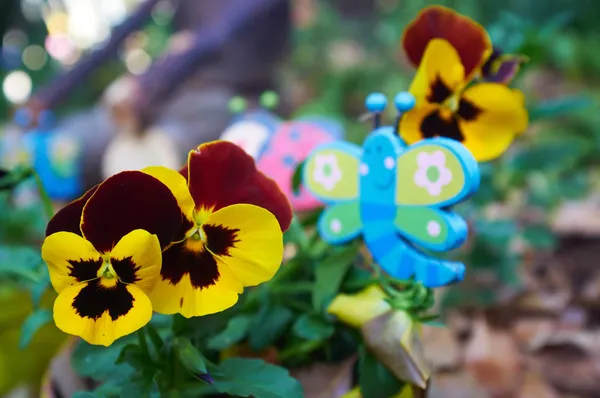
280,146
396,196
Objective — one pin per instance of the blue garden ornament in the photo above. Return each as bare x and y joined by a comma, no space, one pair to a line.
55,156
396,196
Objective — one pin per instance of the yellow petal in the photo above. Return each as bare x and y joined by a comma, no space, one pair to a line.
439,75
145,257
248,239
189,300
178,186
411,121
71,259
502,116
360,308
100,316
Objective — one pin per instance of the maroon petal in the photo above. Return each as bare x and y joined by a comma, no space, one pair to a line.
127,201
221,174
469,38
69,217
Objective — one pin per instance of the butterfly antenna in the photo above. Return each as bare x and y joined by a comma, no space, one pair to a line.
269,100
237,104
404,102
375,104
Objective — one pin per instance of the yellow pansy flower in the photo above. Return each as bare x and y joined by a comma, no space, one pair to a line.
450,50
232,232
103,253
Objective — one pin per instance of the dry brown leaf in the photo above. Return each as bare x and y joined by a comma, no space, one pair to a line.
455,385
326,380
534,386
527,330
569,369
394,340
492,357
441,348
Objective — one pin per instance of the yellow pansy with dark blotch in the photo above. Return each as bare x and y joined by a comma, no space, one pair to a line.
103,252
450,50
232,232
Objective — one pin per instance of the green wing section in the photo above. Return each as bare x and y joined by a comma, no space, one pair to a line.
430,228
330,172
340,222
435,172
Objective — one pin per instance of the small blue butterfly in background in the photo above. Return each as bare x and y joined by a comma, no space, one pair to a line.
54,156
396,196
279,146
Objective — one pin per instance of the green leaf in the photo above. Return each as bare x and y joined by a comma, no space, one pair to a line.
558,107
374,379
296,234
313,327
190,357
268,325
539,236
39,288
34,322
98,362
330,273
21,261
297,178
86,394
244,377
237,328
133,355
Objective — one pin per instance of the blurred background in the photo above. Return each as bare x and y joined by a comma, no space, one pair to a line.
118,84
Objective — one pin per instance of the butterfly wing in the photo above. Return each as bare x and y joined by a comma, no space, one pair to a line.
330,172
432,175
340,222
291,143
252,131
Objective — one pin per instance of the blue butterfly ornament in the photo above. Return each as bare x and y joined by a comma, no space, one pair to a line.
396,196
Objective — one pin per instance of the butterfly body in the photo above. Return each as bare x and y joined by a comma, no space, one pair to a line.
386,192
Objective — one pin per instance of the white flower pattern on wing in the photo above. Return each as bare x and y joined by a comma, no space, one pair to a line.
327,178
436,160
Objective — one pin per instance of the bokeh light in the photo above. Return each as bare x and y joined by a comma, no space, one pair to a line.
137,61
17,87
34,57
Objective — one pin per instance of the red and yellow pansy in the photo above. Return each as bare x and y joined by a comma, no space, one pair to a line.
450,51
231,236
162,240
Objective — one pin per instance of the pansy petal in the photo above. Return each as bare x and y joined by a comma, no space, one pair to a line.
248,239
100,315
178,186
194,283
413,126
221,174
501,68
360,308
440,74
71,259
128,201
137,259
501,115
69,217
467,36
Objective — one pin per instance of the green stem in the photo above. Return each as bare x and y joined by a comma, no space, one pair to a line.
46,201
141,335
